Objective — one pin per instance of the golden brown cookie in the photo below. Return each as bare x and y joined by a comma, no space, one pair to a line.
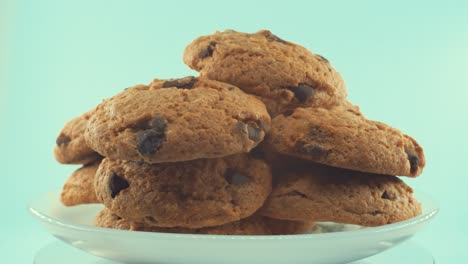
281,73
252,225
192,194
71,147
79,187
342,138
325,194
177,120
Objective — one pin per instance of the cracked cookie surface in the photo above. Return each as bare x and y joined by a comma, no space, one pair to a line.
192,194
178,120
342,137
281,73
70,147
325,194
79,187
252,225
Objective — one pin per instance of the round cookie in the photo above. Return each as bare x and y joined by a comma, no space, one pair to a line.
71,147
79,187
283,74
342,138
192,194
177,120
326,194
252,225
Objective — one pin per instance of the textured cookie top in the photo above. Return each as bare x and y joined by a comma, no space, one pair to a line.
79,187
282,73
193,194
343,138
253,225
71,147
327,194
177,120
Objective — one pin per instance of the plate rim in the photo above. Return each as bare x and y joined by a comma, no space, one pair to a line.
368,231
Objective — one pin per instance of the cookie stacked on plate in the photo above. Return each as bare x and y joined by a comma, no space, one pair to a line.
262,142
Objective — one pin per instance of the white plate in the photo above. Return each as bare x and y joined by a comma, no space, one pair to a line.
60,253
74,226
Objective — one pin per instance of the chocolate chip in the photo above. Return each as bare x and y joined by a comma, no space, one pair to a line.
62,139
150,140
262,125
387,196
313,150
414,163
303,92
253,129
254,132
208,51
272,37
149,122
235,178
296,193
157,123
182,83
241,126
117,184
322,58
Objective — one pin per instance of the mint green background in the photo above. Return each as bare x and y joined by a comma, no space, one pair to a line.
405,64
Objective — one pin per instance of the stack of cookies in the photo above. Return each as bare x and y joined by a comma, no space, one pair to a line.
262,142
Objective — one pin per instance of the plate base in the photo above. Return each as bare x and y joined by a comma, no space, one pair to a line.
59,253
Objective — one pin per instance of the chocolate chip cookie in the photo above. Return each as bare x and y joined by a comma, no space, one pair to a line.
252,225
281,73
343,138
192,194
326,194
177,120
79,187
71,147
